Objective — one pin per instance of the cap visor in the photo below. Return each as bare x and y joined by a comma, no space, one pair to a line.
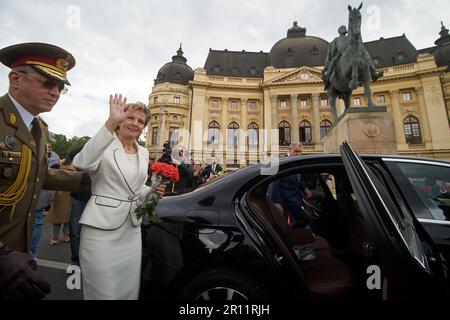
51,73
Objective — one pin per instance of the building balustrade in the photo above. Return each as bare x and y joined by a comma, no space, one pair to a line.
416,146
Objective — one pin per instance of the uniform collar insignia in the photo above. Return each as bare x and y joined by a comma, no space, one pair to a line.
12,118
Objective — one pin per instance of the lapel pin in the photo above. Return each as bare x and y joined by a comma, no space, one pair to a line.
10,141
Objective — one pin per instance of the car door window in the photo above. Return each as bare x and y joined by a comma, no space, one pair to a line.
316,184
432,185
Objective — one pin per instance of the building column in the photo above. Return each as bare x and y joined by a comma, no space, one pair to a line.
243,134
398,121
223,132
425,122
163,130
274,134
316,119
294,112
266,127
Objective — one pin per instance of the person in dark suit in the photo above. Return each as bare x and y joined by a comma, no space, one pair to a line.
198,176
37,78
213,168
288,192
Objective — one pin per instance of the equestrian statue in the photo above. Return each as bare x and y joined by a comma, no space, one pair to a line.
348,64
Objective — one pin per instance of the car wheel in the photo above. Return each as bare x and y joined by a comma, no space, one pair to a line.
224,284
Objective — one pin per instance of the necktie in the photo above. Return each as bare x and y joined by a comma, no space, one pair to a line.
36,131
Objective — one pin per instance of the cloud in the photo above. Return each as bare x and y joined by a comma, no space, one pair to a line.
120,45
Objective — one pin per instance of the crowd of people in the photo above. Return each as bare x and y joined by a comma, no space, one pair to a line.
193,173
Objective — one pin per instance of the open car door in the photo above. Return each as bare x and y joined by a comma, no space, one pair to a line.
404,256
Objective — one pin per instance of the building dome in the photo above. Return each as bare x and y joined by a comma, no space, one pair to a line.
176,71
442,54
298,49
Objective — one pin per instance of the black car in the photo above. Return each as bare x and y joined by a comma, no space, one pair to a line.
380,229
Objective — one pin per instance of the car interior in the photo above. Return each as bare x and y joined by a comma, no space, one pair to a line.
337,233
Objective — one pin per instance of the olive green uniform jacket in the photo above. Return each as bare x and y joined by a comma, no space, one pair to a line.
16,222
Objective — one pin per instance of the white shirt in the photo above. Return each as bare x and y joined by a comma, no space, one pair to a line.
133,166
27,117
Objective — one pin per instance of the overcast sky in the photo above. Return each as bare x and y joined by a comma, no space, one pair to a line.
119,45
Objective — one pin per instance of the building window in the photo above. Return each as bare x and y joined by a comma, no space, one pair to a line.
406,96
381,98
173,136
303,102
233,134
155,133
213,133
283,104
284,130
357,101
305,132
325,127
253,105
176,100
252,134
233,104
214,103
324,102
412,130
155,99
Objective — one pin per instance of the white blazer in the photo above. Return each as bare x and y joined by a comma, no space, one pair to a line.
114,195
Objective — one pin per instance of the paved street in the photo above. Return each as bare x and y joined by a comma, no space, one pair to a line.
52,264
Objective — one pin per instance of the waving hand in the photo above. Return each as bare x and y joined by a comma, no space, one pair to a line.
116,111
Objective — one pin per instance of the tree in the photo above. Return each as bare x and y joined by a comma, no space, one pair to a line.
59,145
62,146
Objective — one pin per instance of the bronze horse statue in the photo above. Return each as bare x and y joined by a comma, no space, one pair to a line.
353,67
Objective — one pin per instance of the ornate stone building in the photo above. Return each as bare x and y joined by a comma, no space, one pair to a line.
244,107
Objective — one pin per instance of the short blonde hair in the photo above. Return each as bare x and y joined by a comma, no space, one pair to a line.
138,106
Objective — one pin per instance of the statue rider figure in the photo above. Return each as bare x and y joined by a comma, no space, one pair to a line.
335,50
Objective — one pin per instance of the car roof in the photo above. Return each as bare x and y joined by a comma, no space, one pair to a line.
235,179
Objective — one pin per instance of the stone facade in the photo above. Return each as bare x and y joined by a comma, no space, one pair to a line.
250,113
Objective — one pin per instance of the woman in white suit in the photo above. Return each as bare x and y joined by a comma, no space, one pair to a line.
110,243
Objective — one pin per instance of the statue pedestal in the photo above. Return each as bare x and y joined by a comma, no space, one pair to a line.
368,130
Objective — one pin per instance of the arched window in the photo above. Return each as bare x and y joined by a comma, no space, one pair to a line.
252,134
325,127
233,134
213,133
412,130
305,132
284,130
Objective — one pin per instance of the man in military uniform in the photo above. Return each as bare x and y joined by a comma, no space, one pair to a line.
37,77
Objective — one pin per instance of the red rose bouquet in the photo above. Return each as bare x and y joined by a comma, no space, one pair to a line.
162,173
